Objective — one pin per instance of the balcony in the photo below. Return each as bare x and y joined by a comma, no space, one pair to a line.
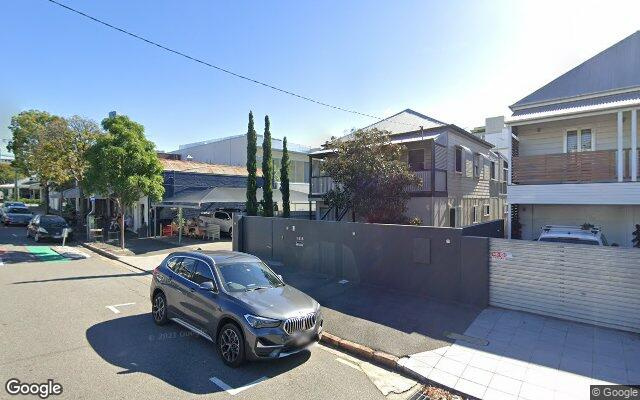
583,167
320,185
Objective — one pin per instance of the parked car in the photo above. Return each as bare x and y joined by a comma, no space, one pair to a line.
16,215
48,227
573,234
237,302
220,218
15,204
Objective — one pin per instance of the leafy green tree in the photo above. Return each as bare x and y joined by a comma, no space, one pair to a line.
79,137
284,180
371,177
123,165
8,173
252,183
267,170
36,146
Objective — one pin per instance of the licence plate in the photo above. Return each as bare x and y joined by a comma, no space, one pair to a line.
302,340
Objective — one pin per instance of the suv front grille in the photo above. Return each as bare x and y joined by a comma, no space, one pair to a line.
299,324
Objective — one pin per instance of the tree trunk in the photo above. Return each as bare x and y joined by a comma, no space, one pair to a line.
122,230
121,223
80,217
46,198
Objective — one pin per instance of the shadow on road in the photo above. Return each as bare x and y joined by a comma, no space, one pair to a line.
77,278
395,322
175,355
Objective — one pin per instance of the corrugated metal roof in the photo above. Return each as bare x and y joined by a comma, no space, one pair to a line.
617,67
204,168
404,121
194,198
577,106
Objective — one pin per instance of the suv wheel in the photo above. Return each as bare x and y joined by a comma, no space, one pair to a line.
159,309
231,345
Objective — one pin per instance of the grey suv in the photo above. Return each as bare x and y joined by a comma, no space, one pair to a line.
234,300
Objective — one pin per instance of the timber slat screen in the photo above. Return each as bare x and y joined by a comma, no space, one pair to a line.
587,166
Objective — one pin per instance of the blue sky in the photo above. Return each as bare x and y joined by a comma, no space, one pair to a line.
458,61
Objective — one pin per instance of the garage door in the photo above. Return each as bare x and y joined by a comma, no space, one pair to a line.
592,284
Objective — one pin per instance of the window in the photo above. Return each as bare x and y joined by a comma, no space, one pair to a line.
416,160
186,267
306,172
203,273
474,214
487,210
476,165
572,141
452,217
579,140
493,170
173,263
585,140
246,276
458,159
505,171
316,167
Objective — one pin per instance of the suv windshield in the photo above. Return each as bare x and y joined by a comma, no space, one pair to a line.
18,210
569,240
246,276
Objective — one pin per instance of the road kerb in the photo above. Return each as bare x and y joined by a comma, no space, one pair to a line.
108,255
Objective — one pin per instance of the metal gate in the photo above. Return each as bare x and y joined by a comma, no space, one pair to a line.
592,284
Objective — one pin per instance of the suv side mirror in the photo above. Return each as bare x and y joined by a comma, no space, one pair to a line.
280,277
208,286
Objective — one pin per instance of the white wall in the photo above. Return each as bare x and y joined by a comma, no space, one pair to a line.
617,222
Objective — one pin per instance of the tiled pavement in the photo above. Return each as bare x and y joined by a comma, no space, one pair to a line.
531,357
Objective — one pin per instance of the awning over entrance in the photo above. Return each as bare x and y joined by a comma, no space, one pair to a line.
195,198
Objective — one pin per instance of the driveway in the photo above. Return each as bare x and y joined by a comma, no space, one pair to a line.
517,355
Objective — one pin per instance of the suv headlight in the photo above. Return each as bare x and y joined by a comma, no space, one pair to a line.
42,230
261,322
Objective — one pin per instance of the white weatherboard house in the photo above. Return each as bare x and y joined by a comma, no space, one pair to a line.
574,148
462,179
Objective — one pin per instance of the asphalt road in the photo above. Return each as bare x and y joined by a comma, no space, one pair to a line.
86,324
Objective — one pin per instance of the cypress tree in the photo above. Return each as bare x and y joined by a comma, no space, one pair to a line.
252,185
267,171
284,180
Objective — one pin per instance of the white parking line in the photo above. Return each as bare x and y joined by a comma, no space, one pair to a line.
343,281
114,307
232,391
349,363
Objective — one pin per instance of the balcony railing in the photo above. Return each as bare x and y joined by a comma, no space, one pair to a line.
583,167
320,185
425,182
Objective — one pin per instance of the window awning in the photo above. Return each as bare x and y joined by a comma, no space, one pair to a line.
195,198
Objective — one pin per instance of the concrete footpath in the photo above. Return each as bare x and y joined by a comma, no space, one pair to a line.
146,254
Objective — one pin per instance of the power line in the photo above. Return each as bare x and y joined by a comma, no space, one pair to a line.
227,71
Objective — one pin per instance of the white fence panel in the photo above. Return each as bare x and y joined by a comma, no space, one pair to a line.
592,284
